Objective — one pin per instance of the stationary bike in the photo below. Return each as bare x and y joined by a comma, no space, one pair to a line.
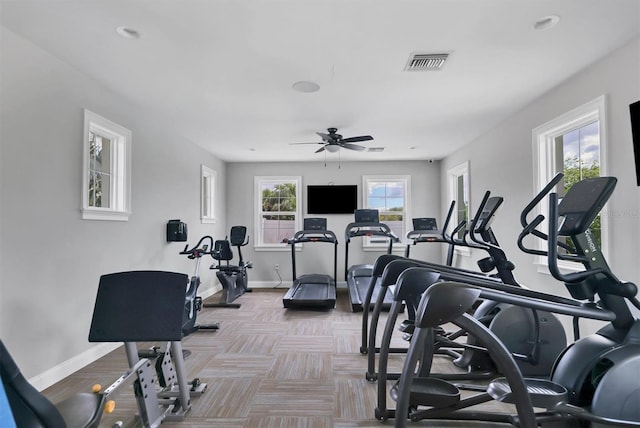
233,278
193,302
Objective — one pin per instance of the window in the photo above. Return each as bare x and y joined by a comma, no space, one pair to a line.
106,184
573,144
207,194
458,184
389,194
278,214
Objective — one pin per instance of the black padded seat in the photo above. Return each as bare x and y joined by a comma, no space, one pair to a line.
31,409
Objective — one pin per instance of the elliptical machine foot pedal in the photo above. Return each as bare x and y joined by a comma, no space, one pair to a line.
429,391
543,393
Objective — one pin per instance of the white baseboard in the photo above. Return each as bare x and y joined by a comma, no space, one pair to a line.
72,365
269,284
282,285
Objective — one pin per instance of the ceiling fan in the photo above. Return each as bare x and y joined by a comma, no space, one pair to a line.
332,142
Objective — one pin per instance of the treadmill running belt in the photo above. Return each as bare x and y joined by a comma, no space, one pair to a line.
311,291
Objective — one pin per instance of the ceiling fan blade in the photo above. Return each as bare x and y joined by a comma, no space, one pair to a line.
321,149
325,137
352,147
356,139
294,144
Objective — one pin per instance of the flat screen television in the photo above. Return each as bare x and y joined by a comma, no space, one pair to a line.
332,199
634,111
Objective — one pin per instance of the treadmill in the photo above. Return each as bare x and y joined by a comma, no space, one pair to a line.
312,291
359,276
425,229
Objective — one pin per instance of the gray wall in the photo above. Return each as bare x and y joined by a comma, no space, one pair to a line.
507,149
51,259
425,202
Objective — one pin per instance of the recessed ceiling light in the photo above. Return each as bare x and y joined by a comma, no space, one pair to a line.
127,33
546,22
305,86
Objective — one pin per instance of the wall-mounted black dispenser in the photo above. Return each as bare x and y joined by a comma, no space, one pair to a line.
176,231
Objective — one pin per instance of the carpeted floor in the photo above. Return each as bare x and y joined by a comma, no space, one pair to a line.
266,367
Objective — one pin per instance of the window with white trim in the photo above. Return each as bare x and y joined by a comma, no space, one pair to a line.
574,144
208,182
390,195
106,183
278,210
458,185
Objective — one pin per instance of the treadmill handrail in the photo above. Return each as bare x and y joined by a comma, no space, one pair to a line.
425,236
313,236
367,229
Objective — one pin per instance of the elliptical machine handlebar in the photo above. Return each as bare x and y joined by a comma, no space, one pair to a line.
449,237
474,224
530,228
539,197
622,289
445,226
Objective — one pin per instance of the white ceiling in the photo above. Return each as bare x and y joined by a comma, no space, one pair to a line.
221,71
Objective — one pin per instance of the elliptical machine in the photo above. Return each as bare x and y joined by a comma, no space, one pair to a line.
233,278
535,337
594,380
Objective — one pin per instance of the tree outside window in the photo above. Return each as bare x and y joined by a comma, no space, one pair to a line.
574,144
279,211
106,169
581,159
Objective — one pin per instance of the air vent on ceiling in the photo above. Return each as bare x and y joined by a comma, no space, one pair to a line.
375,149
426,62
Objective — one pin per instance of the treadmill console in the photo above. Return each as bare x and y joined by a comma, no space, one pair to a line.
366,216
424,223
315,223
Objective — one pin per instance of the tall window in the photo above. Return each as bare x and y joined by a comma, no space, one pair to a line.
458,183
573,144
106,169
207,194
278,214
389,194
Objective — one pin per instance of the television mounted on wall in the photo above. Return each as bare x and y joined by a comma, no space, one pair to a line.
332,199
